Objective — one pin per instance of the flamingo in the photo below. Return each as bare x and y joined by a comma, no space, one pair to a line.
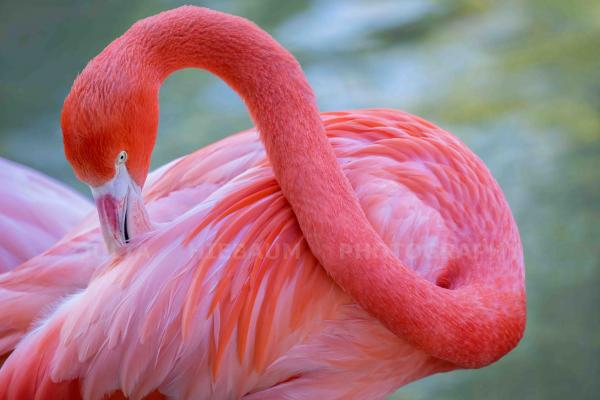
35,212
366,249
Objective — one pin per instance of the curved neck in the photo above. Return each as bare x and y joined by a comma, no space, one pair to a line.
279,99
265,75
282,105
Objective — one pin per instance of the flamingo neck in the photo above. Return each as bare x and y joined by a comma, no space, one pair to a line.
280,101
283,107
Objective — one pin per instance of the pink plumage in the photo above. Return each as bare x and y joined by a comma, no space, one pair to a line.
35,212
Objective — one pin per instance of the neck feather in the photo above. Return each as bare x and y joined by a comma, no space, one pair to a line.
464,326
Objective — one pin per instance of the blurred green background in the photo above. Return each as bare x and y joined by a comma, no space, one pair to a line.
518,81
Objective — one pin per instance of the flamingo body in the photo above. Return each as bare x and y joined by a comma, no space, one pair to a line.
35,212
226,300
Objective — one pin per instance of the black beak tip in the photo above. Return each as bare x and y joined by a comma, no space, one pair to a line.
125,230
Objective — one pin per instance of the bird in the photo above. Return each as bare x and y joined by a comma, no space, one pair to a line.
364,250
35,212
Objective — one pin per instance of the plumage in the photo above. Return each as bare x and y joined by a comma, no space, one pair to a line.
35,212
354,253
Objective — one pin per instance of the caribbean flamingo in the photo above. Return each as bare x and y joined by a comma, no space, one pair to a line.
35,211
366,250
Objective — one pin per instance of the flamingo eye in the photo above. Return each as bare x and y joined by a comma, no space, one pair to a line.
122,157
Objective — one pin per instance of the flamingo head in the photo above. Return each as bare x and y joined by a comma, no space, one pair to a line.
109,129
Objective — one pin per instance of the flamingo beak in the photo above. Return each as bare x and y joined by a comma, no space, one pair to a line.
120,209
